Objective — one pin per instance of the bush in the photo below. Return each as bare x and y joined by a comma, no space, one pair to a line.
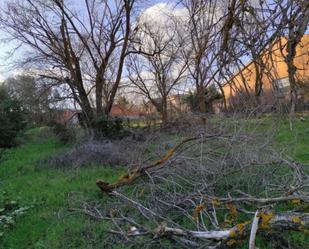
12,119
210,95
63,133
110,127
98,153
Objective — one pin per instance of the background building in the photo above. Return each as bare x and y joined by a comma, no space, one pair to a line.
272,73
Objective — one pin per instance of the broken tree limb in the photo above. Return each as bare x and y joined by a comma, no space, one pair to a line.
132,175
264,221
254,228
262,200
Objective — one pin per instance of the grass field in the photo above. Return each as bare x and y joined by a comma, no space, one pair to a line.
51,194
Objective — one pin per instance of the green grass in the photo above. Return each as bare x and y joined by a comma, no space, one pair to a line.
295,142
51,193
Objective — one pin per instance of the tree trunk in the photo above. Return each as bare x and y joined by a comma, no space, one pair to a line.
200,94
98,94
128,7
164,114
291,48
223,97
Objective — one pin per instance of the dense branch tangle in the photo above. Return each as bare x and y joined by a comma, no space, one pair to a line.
211,191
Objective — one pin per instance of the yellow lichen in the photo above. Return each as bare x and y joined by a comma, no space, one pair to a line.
233,211
233,233
231,242
296,201
265,219
239,229
296,219
216,202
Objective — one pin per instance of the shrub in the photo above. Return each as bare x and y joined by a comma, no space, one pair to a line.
12,119
210,95
110,127
62,131
98,153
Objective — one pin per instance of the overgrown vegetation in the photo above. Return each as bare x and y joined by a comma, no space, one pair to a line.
52,194
210,190
12,119
10,211
65,204
82,178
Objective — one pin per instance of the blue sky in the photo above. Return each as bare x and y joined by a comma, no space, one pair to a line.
6,60
6,47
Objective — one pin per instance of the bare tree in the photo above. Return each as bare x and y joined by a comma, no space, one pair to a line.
83,45
247,32
296,19
159,67
203,32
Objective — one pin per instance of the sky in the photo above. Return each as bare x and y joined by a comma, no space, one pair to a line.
6,59
6,69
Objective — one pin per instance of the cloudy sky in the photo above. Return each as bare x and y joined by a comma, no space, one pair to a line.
6,47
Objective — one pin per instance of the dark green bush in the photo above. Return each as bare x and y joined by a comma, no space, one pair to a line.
12,119
110,127
63,132
210,94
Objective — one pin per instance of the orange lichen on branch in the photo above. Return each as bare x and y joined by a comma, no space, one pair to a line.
233,210
198,209
121,181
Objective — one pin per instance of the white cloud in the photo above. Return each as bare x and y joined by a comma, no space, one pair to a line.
160,14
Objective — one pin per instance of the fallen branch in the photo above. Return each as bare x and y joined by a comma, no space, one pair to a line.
254,228
132,175
296,198
264,221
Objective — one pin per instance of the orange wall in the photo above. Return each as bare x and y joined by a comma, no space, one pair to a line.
275,68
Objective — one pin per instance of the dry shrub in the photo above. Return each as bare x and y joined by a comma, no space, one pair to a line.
108,153
133,149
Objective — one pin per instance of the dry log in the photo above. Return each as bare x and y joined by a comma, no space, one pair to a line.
132,175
